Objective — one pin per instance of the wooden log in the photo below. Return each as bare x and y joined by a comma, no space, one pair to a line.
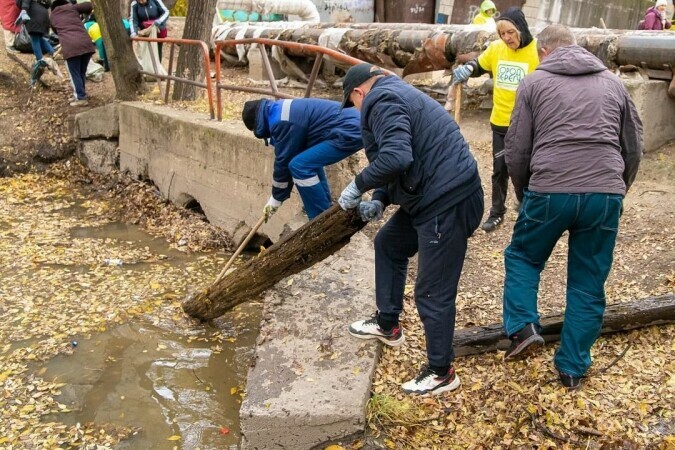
296,252
618,317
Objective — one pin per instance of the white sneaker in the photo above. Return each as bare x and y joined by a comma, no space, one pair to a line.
83,102
429,382
369,329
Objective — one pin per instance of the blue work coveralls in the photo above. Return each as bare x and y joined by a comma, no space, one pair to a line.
307,134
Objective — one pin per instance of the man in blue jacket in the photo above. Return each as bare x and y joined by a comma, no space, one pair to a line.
420,161
307,134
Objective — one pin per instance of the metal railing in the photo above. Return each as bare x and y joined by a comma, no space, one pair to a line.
207,84
309,49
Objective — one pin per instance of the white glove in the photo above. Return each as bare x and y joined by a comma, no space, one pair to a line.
350,197
271,207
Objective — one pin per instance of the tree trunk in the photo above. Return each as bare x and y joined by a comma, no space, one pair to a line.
619,317
123,63
301,249
190,59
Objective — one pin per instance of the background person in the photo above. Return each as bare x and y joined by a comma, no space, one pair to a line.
307,134
76,45
655,18
148,13
418,159
9,12
509,60
35,17
486,15
573,150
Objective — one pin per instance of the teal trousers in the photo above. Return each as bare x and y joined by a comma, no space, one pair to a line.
592,221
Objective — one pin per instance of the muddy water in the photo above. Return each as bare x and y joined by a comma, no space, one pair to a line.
180,385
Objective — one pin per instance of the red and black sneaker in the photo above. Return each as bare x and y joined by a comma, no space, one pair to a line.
430,382
369,329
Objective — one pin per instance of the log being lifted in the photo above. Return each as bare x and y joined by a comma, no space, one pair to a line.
301,249
421,48
618,317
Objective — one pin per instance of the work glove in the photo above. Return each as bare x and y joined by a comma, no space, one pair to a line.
461,73
373,210
350,197
271,207
23,18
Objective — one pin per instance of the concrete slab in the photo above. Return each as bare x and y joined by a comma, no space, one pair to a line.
311,379
221,165
656,109
98,123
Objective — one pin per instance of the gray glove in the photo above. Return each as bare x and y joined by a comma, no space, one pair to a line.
350,197
462,74
373,210
23,18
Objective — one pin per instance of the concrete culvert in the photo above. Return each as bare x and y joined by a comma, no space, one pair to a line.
191,204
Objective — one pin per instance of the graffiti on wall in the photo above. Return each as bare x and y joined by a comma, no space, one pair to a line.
352,6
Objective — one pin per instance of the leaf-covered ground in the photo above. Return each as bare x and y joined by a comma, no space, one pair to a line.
625,403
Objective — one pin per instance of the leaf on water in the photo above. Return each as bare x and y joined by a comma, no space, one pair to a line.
233,390
175,437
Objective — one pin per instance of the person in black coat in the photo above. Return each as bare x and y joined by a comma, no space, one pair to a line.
418,159
34,16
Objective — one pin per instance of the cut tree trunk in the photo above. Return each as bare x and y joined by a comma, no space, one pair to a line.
619,317
298,251
123,63
190,59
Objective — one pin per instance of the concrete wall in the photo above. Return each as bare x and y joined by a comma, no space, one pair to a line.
221,165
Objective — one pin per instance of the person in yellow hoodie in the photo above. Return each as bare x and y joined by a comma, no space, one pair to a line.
509,59
485,16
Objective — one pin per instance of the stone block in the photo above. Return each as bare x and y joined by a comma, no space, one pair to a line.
101,122
656,110
311,379
100,155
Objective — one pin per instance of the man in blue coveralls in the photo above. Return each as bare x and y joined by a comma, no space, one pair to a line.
307,134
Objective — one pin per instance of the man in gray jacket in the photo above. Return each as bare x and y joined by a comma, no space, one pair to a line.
573,150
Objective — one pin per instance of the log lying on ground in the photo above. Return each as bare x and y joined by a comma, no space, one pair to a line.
619,317
301,249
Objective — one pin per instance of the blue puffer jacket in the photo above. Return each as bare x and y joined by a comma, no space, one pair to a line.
153,10
418,157
293,126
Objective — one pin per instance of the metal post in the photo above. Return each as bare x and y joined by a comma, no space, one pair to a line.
268,68
314,74
168,81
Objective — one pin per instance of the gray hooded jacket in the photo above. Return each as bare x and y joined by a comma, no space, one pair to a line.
574,128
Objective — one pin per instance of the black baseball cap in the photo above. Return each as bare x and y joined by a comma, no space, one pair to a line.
355,77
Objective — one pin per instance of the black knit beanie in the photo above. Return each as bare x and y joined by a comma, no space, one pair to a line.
250,113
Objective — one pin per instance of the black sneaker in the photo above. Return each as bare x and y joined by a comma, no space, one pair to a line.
492,223
571,382
369,329
527,338
429,382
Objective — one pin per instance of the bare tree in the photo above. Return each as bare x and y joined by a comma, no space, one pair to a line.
123,63
190,61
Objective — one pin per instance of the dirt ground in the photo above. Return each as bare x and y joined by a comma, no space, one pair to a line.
630,405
